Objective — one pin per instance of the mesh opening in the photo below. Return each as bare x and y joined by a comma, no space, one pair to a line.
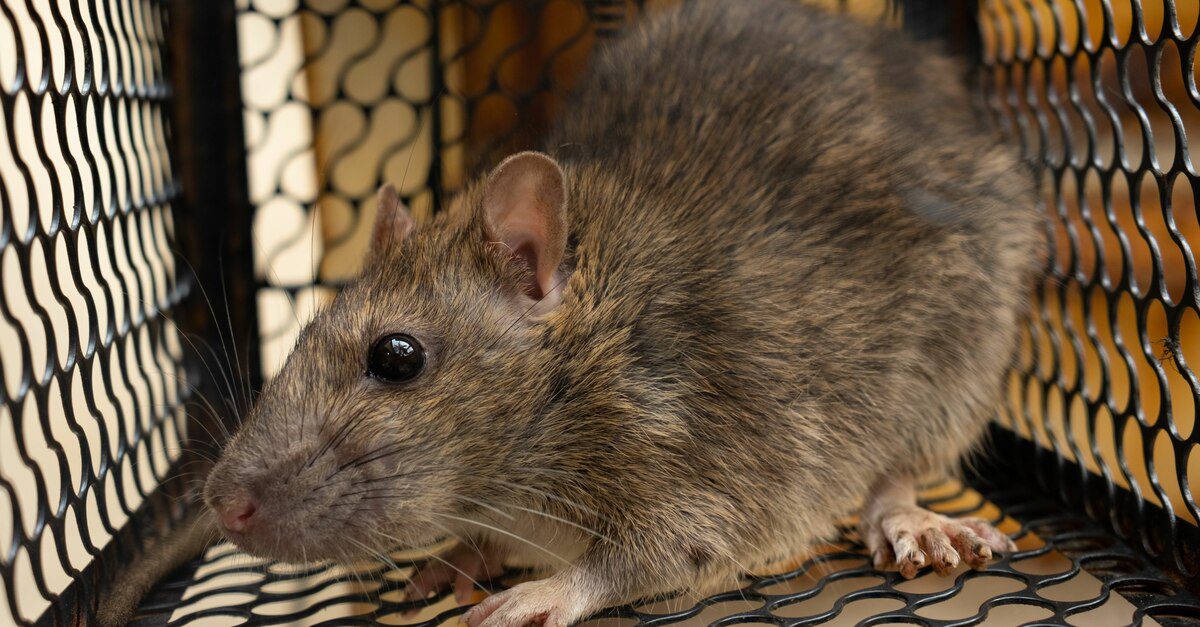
92,384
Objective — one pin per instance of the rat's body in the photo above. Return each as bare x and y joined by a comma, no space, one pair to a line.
779,271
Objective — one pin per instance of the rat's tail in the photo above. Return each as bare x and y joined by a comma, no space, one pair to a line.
121,597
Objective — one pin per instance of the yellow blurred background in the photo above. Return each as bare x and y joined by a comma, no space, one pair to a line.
1114,329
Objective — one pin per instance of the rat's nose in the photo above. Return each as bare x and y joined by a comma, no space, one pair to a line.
236,515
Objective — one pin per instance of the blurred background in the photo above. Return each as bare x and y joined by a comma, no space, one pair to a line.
340,98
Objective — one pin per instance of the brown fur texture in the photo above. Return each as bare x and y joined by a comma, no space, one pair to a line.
794,265
122,595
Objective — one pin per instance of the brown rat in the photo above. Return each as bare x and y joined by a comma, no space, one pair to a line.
769,266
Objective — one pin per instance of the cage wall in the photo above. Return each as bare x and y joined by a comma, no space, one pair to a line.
337,97
93,381
1102,96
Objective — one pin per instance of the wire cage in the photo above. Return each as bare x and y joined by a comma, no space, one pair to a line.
95,386
183,184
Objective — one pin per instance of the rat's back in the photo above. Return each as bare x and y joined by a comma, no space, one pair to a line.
809,237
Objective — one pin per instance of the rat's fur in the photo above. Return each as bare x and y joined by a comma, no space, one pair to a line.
795,265
188,538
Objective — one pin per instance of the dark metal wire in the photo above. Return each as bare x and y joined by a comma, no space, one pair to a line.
1101,97
94,385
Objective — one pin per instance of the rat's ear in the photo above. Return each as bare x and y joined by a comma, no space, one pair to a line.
525,209
392,222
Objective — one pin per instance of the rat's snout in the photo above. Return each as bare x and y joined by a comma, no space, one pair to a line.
237,514
278,505
263,516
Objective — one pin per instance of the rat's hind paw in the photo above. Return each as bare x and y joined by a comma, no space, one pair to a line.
552,602
909,538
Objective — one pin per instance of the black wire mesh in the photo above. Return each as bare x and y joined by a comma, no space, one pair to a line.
93,385
1102,96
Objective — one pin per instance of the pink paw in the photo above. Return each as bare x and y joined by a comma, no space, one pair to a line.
910,538
546,602
465,566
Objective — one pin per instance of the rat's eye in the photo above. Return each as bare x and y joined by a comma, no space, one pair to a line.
395,358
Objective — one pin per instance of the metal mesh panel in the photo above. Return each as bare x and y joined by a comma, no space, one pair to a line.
1102,96
91,380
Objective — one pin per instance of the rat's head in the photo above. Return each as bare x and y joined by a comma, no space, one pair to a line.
404,396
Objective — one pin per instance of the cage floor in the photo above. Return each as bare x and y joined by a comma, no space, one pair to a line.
1043,583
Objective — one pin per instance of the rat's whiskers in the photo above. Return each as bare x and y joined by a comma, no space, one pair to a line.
484,505
564,521
509,534
548,496
433,555
461,540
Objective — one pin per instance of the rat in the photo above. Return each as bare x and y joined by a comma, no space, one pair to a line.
767,266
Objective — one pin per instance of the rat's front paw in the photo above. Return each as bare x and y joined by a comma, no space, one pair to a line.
910,538
465,566
552,602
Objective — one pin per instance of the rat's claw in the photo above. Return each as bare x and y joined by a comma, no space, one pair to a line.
909,556
882,555
428,579
463,589
941,551
992,536
909,538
